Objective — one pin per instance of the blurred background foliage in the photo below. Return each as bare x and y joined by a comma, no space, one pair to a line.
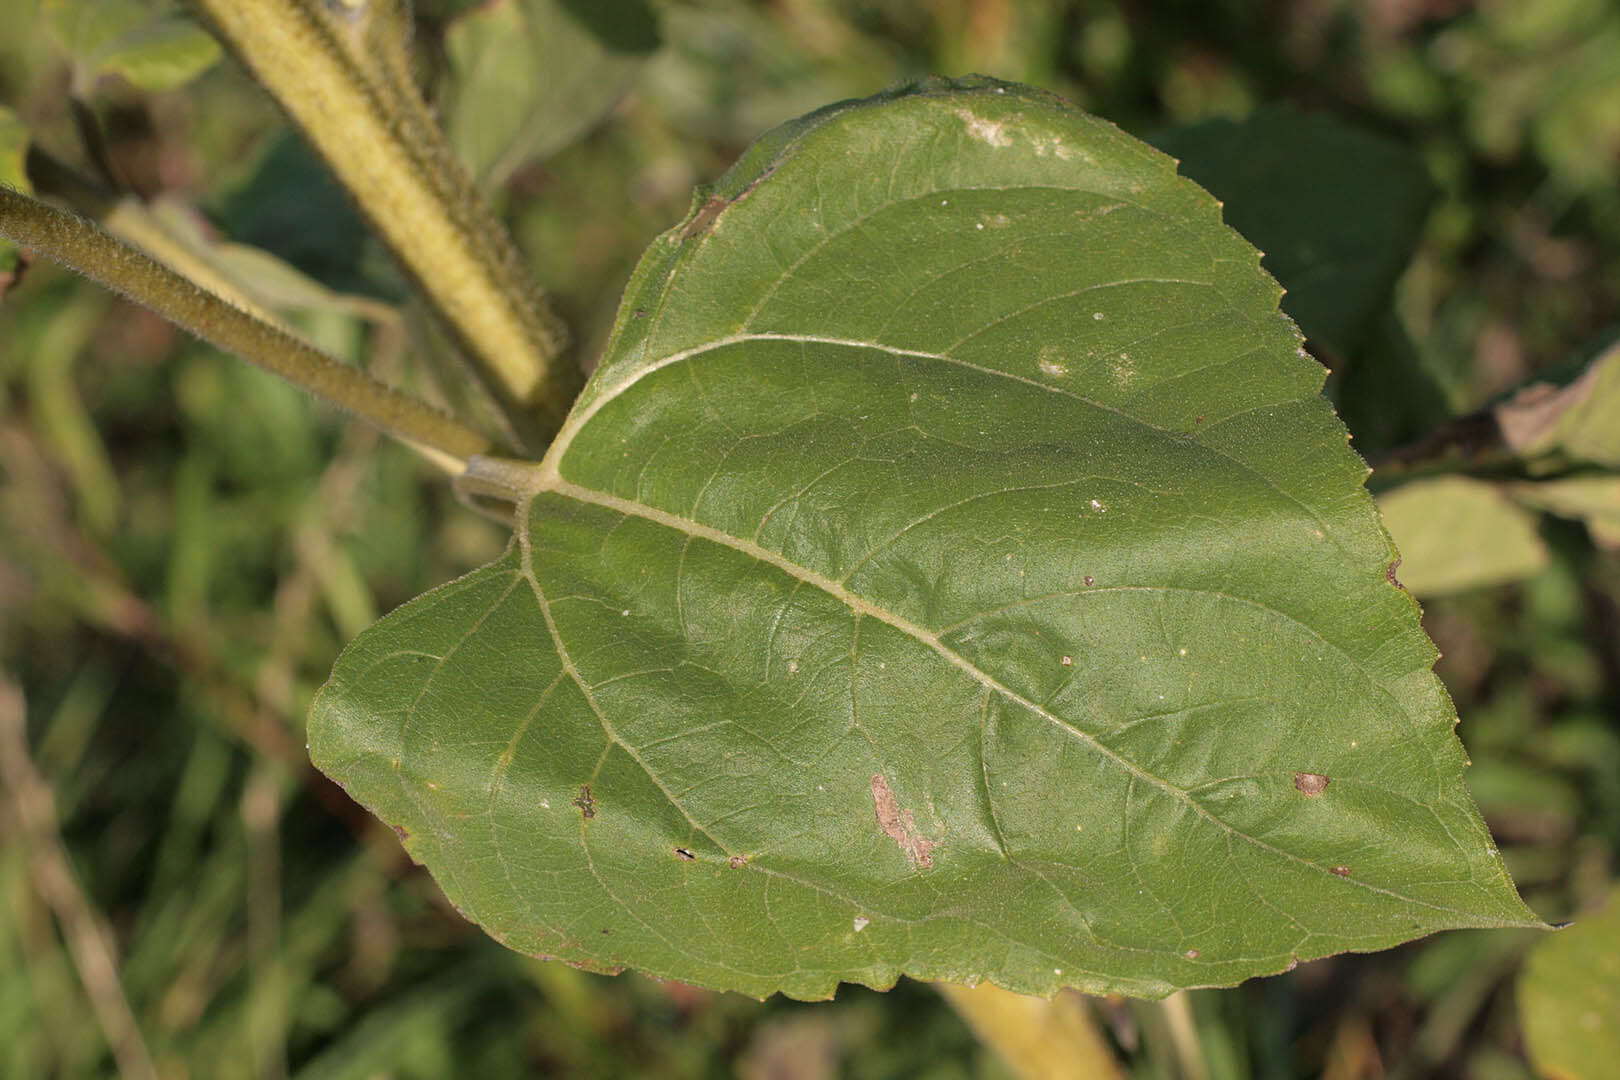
185,543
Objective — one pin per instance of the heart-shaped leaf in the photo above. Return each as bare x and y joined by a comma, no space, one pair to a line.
951,570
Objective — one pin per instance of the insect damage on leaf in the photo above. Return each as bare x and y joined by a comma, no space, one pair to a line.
704,219
899,825
709,213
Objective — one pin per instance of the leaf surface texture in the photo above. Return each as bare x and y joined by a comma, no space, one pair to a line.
951,570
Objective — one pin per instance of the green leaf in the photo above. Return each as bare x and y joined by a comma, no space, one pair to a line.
1569,997
1338,211
163,54
1455,533
950,570
143,42
1592,499
528,77
290,206
87,27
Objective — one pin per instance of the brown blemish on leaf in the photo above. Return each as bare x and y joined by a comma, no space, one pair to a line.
685,854
402,832
1389,574
1090,580
1340,871
1311,784
1191,954
586,804
899,826
737,862
703,220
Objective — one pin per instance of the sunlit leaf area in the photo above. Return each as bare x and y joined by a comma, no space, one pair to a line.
782,428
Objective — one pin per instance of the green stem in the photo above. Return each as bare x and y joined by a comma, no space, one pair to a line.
1178,1014
79,244
1037,1039
342,77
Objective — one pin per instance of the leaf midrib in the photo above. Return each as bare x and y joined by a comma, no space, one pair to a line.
577,421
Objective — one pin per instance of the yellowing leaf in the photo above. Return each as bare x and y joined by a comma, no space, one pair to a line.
1455,533
1593,499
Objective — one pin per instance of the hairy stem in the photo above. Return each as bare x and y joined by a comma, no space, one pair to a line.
79,244
341,73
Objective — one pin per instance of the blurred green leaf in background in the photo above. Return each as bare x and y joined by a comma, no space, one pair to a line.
13,152
532,76
148,45
1569,997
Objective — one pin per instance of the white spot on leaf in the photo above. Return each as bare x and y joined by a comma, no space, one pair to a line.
1122,369
1051,362
1053,146
985,130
